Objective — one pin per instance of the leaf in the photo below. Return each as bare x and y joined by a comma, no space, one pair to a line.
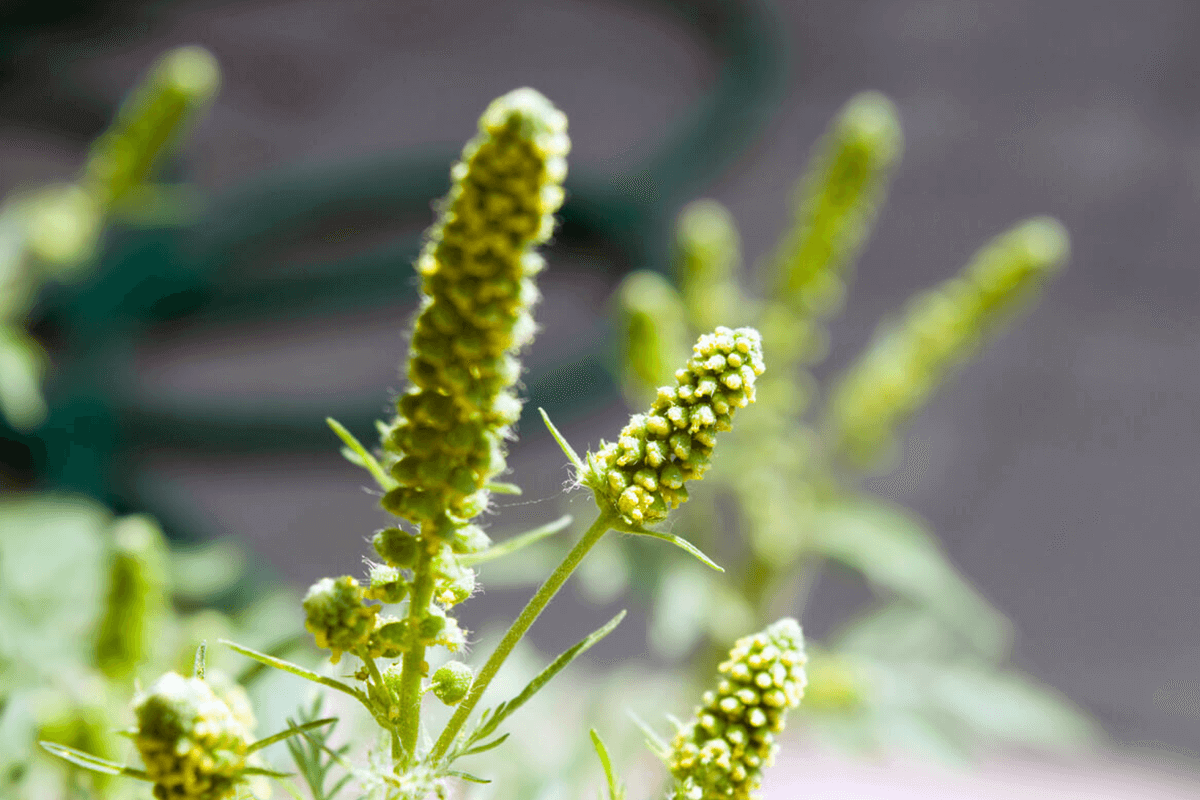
466,776
266,773
296,669
572,456
499,487
483,748
22,363
681,543
894,551
615,790
506,709
290,732
655,742
91,762
509,546
363,457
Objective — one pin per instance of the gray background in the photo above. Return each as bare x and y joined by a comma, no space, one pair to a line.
1060,468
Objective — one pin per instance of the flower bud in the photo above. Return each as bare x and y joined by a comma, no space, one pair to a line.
451,682
336,617
477,272
721,752
193,746
641,476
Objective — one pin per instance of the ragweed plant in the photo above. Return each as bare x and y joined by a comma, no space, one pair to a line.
437,465
789,483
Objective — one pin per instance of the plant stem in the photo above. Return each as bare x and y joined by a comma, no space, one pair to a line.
528,615
412,667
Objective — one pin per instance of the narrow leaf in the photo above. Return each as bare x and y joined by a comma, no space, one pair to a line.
483,748
268,773
296,669
655,742
509,546
365,459
562,442
556,666
294,730
499,487
615,790
466,776
91,762
678,541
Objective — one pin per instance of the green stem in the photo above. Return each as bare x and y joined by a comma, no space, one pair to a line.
412,667
522,624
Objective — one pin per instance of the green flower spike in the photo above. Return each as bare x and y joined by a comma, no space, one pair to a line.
721,753
193,746
642,474
336,616
912,355
150,121
477,272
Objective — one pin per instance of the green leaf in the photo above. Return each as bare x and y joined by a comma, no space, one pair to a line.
22,363
895,552
266,773
509,546
362,457
91,762
506,709
466,776
681,543
296,669
483,748
572,456
615,790
656,743
290,732
499,487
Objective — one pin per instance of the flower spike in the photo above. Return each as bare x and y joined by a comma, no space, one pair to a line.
641,476
721,753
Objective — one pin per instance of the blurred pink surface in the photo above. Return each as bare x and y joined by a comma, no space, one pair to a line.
806,771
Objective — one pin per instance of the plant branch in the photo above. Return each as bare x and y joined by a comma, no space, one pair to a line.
522,624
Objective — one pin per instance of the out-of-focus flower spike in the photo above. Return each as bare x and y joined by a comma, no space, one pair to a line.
149,123
653,330
835,205
708,253
911,356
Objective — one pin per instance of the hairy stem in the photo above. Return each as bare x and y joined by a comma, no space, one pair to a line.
522,624
412,667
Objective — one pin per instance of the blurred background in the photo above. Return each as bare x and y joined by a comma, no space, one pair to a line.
1059,468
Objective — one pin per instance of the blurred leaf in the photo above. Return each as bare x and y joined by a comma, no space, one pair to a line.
206,570
682,606
896,553
91,762
22,363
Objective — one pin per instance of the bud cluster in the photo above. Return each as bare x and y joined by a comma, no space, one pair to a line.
642,474
194,747
721,753
477,273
